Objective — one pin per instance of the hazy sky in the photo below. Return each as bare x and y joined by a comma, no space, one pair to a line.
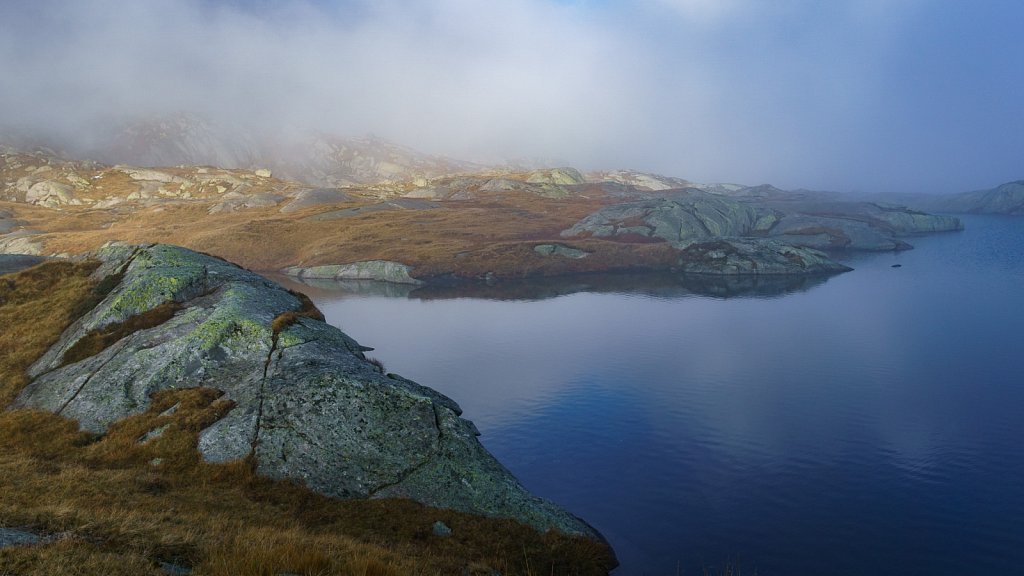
871,95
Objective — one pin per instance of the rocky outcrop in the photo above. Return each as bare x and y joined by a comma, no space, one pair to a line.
308,406
51,194
641,180
21,242
686,218
754,257
682,218
378,270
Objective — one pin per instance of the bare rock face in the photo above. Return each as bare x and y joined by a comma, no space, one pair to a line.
309,406
51,194
762,234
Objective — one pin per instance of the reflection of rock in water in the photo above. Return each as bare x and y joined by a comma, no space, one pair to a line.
318,287
661,285
14,262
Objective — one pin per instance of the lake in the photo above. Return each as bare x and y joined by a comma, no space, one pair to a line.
870,423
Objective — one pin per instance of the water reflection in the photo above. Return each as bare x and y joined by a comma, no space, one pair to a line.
869,425
659,285
15,262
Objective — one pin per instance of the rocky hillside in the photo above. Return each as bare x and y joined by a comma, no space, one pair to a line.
484,225
308,405
1006,198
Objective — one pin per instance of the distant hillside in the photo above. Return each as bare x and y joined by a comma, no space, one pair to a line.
1006,198
314,158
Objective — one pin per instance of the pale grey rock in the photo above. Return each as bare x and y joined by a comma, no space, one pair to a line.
21,242
378,270
560,250
308,405
151,175
556,177
441,529
51,194
687,217
641,180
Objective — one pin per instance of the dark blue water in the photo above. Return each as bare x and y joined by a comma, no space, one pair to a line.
871,424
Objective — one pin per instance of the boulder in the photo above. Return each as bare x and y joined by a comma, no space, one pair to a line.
21,242
308,405
51,194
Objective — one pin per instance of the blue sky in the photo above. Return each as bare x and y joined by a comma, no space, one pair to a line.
867,95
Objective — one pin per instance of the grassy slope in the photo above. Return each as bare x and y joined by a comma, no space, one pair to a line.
118,506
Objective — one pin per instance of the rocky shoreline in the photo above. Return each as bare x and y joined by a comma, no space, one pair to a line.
308,405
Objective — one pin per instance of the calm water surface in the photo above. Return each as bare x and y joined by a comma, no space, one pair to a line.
871,424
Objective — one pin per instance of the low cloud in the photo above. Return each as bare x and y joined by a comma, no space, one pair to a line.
802,94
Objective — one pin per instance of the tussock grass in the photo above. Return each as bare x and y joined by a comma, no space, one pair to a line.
99,340
286,319
31,324
121,503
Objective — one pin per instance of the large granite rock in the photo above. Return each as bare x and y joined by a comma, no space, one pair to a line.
680,220
684,217
308,405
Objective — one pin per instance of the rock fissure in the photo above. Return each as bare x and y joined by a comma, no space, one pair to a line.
316,414
427,460
86,381
262,393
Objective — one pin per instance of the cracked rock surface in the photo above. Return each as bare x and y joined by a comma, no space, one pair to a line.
308,404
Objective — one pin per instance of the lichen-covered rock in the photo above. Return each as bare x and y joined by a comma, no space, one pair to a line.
308,405
679,220
754,257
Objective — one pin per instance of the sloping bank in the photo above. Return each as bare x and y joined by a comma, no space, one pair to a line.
308,405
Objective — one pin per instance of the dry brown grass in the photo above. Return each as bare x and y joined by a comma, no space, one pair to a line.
493,233
32,324
99,340
123,502
286,319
